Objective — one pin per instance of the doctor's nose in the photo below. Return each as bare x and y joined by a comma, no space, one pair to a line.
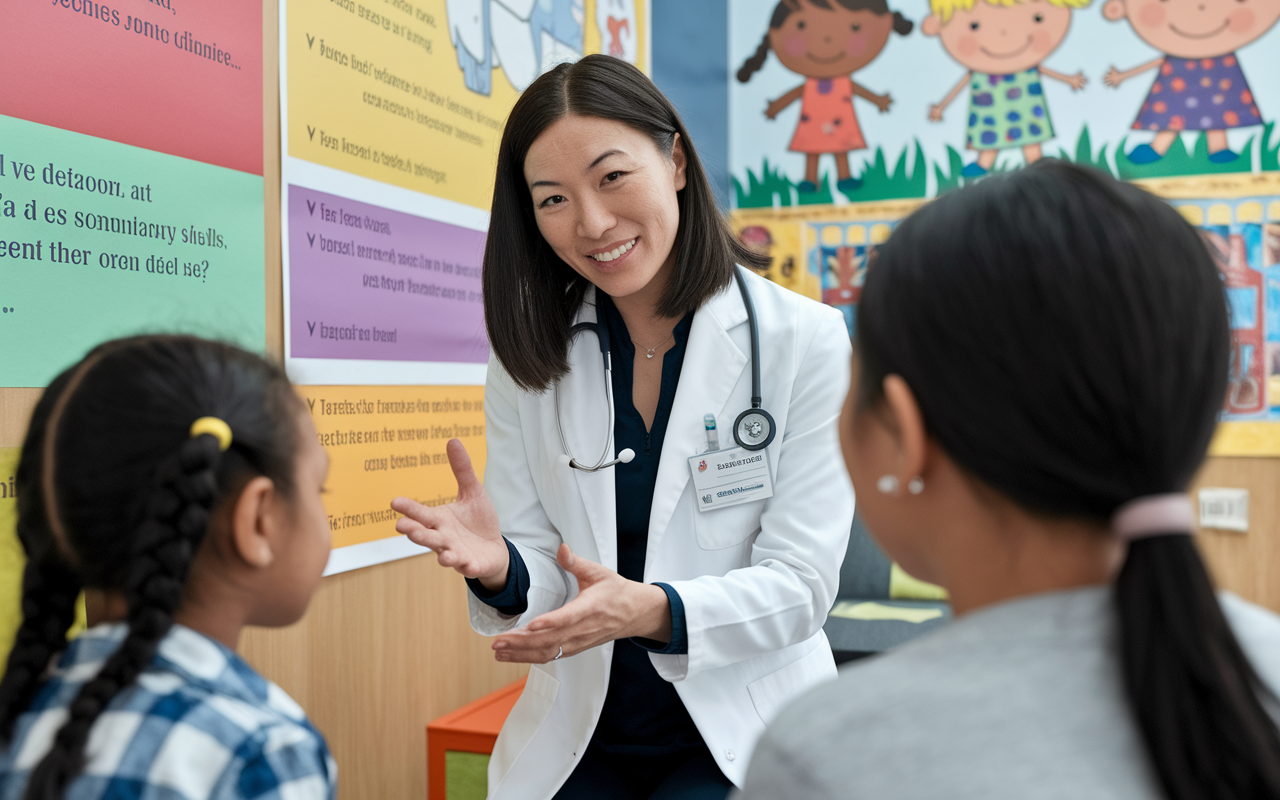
595,220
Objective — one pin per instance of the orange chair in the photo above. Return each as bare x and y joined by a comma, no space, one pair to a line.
459,743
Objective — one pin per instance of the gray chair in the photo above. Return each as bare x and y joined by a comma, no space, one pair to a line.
864,576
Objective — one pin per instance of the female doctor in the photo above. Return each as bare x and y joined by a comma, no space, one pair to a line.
663,634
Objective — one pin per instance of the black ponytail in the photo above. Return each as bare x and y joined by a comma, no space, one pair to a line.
49,593
114,494
1066,336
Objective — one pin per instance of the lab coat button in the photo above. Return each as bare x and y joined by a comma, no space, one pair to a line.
728,754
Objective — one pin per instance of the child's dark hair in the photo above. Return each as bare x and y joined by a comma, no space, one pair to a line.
114,494
901,25
1066,337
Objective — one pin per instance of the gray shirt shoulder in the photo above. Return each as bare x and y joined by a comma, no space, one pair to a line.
1023,699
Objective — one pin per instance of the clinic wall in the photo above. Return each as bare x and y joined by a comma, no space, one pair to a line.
384,650
691,67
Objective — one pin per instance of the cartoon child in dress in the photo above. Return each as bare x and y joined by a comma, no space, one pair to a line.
1199,86
826,41
1003,44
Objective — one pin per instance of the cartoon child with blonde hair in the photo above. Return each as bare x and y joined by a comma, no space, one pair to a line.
1003,43
825,42
1199,86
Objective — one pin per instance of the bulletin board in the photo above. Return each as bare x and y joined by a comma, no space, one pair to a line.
391,115
1193,121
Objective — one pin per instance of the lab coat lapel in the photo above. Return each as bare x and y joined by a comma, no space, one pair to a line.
713,365
584,414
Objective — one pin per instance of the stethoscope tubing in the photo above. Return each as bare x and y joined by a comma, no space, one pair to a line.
601,331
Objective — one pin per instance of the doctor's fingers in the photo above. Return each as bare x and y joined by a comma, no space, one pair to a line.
463,472
426,516
522,647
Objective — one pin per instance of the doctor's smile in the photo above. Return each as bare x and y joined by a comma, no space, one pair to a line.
668,587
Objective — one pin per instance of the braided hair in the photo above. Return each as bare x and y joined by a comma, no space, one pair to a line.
901,25
114,494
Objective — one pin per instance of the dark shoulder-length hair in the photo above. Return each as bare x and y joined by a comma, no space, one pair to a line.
530,294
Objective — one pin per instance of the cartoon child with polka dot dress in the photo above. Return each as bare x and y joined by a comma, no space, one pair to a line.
1003,44
826,41
1199,85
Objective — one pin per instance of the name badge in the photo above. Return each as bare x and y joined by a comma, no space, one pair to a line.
725,478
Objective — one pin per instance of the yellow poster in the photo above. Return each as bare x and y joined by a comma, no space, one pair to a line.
415,92
386,442
12,560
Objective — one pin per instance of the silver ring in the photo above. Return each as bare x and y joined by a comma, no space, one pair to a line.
559,654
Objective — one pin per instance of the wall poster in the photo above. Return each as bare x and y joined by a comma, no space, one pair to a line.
832,142
391,115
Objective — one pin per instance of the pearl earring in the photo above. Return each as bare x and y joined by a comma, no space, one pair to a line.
915,485
888,484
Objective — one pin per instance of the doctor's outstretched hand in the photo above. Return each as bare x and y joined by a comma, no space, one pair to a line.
463,534
608,607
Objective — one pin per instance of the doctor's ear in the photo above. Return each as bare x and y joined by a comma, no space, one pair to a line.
680,161
907,422
1114,10
931,26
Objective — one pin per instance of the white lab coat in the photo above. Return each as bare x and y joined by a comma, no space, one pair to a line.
756,579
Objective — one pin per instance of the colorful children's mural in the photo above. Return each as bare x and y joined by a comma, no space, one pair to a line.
524,37
825,43
1003,46
1199,83
1199,133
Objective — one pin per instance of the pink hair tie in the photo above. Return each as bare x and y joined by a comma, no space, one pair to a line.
1153,515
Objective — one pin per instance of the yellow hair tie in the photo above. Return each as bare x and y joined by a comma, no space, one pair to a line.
215,428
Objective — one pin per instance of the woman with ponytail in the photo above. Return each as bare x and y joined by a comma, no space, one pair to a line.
1041,359
179,480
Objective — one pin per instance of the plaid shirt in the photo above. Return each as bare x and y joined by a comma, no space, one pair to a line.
199,724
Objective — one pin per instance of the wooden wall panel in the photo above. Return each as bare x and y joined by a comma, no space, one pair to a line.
1247,563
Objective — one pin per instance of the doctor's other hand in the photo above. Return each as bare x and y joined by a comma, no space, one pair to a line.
608,607
464,534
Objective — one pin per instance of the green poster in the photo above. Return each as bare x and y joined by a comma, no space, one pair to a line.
100,239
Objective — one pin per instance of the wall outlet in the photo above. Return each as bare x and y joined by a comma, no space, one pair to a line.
1224,509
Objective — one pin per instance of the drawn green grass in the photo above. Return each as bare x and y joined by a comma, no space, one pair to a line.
879,183
954,180
1084,155
1270,154
764,189
1177,162
770,187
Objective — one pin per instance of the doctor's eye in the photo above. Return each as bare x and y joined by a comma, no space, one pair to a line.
800,25
553,200
856,27
613,176
1038,18
973,26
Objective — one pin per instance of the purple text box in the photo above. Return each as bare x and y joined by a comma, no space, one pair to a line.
370,283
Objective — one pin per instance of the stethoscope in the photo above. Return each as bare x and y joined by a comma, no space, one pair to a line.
752,430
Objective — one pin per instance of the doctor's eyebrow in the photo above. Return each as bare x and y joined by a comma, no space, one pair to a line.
591,166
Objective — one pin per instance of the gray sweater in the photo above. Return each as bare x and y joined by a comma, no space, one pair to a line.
1023,699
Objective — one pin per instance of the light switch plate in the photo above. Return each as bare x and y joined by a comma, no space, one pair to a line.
1224,509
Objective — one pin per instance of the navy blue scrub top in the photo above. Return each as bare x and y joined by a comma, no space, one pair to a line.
643,714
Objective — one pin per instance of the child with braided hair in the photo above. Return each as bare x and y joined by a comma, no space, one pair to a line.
179,479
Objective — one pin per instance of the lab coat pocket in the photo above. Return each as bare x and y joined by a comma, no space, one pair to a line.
727,527
771,693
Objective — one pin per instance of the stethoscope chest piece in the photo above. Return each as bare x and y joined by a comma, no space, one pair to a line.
754,429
